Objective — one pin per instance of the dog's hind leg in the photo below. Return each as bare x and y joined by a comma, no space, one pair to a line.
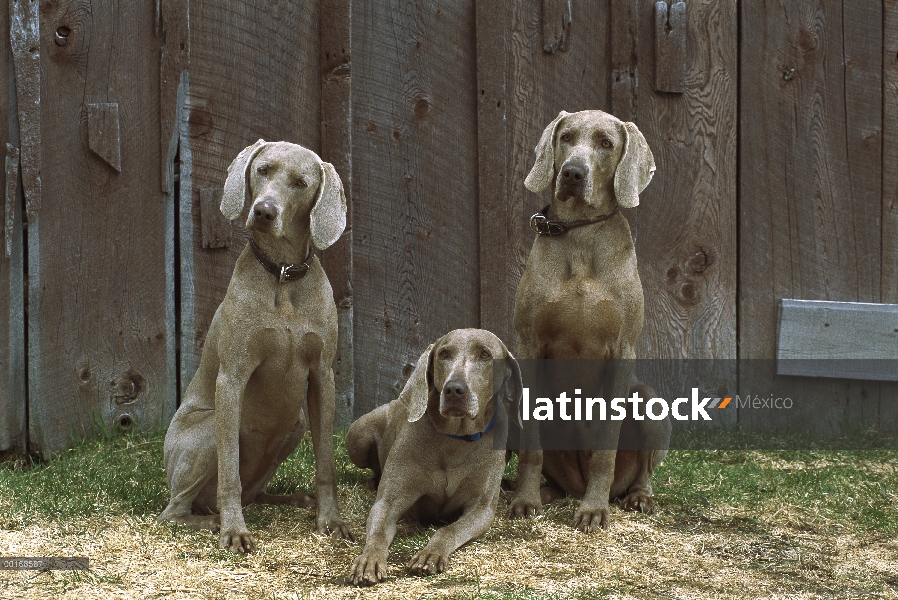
191,462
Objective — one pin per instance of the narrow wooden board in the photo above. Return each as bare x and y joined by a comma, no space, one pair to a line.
492,166
254,73
853,340
13,431
810,159
686,245
98,348
24,36
336,147
415,252
889,292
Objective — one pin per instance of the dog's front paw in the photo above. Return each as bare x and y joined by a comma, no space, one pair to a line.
638,501
237,540
524,506
368,568
591,518
334,526
428,561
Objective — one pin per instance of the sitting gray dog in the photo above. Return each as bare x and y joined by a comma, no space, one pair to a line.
444,467
272,338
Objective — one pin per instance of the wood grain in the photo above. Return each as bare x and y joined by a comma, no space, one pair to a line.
103,133
336,147
889,288
810,160
492,167
686,244
556,25
670,47
539,86
97,300
254,73
13,427
24,36
217,230
415,238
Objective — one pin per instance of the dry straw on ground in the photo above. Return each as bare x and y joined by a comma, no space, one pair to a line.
771,549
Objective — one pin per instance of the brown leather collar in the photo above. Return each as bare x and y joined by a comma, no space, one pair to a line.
540,223
282,271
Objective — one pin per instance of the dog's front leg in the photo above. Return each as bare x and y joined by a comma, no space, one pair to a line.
526,501
396,495
321,419
593,512
473,523
229,389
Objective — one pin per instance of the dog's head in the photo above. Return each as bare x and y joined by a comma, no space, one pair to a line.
457,378
591,155
288,188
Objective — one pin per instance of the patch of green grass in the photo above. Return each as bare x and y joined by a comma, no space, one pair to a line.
856,490
110,476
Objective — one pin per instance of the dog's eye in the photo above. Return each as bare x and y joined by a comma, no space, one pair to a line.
485,355
443,353
262,169
565,137
606,144
301,183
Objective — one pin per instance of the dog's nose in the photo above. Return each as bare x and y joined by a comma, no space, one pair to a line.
455,389
265,211
574,172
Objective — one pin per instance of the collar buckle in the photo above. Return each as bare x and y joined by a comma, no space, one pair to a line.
541,225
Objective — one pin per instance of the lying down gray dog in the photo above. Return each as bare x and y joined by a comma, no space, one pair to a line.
444,467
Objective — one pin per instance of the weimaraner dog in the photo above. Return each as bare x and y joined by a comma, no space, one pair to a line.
447,466
269,348
580,297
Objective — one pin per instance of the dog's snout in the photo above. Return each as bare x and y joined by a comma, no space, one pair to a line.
574,172
455,389
265,211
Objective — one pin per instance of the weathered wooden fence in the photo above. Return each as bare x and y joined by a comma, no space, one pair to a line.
774,130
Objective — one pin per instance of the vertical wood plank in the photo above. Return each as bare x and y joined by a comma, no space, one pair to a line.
496,292
687,216
539,86
889,289
98,346
336,147
624,38
415,251
253,73
810,193
24,35
13,432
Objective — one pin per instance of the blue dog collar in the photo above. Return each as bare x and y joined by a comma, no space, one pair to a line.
476,436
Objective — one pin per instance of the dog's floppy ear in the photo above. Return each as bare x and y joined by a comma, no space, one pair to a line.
329,212
236,188
543,170
635,169
512,386
416,392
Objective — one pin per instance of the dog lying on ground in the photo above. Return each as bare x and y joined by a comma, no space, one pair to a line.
272,338
447,466
580,297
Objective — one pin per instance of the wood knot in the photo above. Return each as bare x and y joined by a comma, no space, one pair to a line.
61,38
422,107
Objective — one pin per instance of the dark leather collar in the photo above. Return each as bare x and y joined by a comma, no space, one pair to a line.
473,437
541,225
282,271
